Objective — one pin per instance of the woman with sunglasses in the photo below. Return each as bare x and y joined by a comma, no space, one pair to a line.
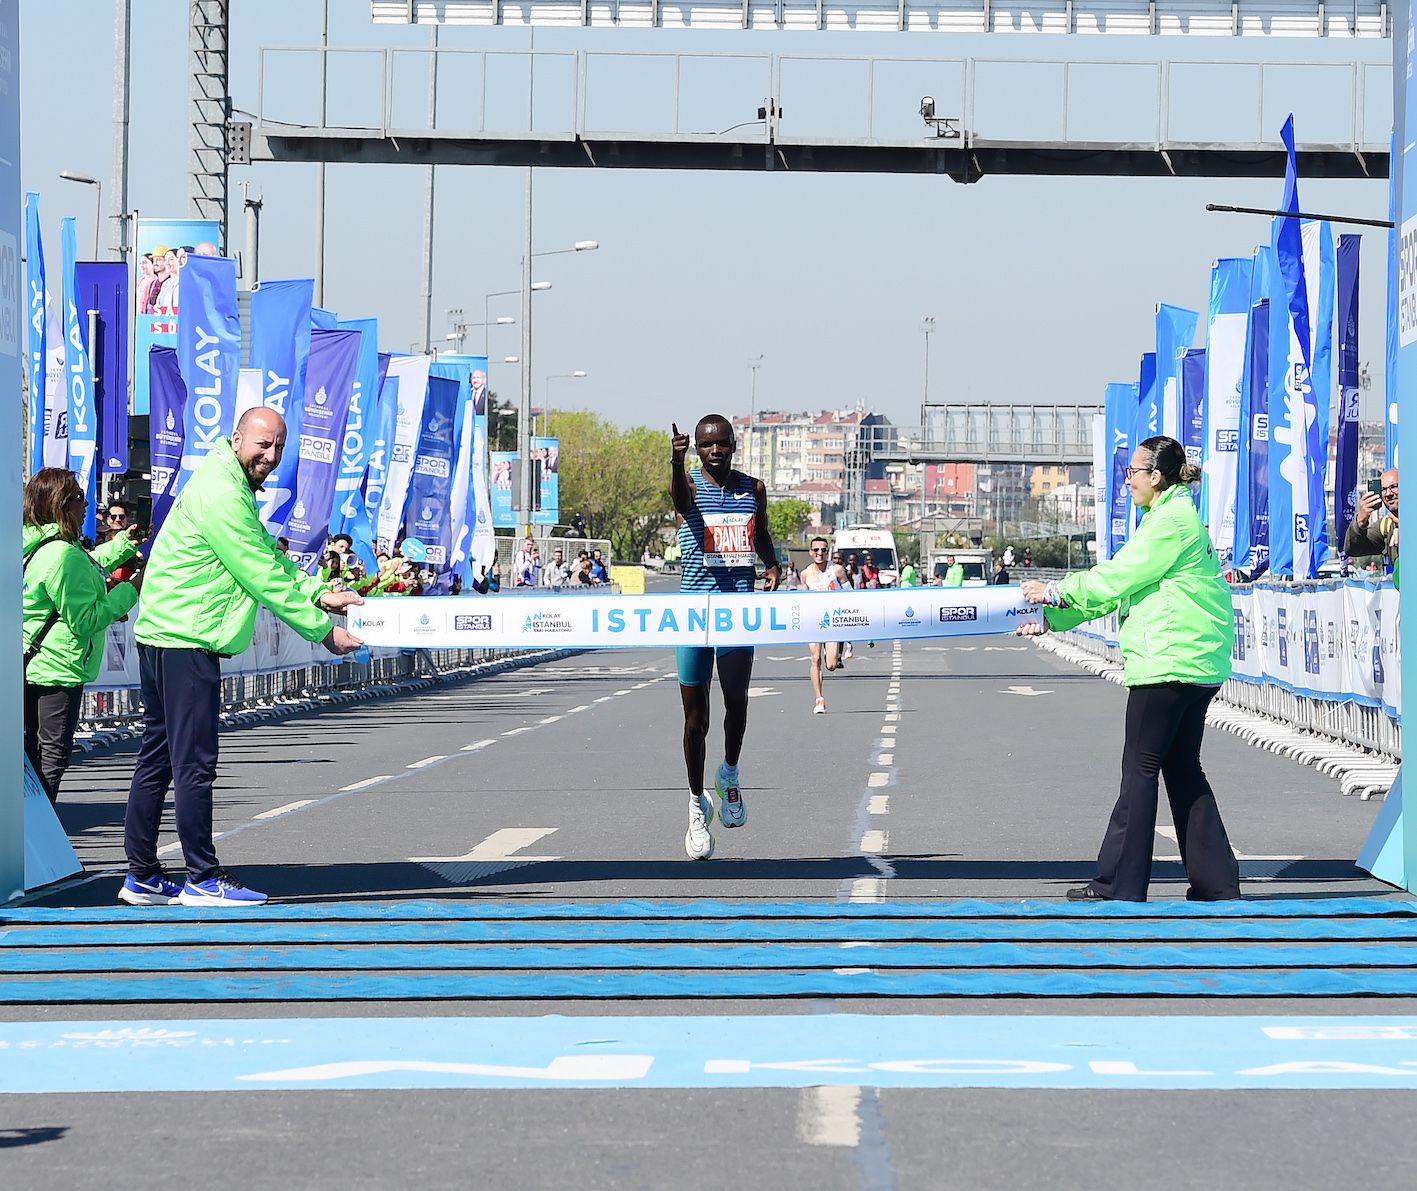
67,608
1177,632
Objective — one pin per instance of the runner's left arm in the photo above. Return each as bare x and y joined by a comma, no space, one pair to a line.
772,573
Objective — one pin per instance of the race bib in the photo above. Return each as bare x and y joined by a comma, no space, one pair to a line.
729,540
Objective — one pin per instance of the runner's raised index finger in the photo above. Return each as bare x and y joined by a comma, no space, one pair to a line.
675,427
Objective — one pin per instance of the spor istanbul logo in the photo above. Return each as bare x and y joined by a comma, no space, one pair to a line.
951,614
547,622
845,618
473,622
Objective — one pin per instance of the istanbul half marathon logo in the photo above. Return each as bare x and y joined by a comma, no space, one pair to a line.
845,618
547,622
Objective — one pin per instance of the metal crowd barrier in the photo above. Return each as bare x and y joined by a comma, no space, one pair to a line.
1353,724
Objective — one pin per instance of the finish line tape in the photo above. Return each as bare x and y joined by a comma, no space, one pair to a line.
663,621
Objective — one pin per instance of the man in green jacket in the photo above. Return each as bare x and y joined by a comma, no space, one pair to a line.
212,565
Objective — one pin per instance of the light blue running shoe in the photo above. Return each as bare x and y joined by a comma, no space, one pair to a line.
221,890
156,890
732,811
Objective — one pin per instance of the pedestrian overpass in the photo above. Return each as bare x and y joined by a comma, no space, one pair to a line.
1048,109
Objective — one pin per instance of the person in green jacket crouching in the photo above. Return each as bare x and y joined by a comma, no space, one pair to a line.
67,608
1178,630
212,564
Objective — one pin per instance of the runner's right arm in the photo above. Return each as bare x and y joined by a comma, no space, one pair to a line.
681,488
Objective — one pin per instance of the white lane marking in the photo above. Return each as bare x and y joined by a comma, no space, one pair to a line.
757,692
873,841
638,685
891,717
286,809
868,889
551,719
888,730
877,780
605,698
502,844
517,731
886,759
829,1115
365,784
624,690
581,707
423,764
535,690
477,744
879,804
609,1068
1023,690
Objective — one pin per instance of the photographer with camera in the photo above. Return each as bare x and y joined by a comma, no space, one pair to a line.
1368,534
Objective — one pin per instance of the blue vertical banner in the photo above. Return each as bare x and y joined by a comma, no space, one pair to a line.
546,459
412,374
280,350
499,483
428,514
1193,404
167,405
1227,322
35,295
1345,459
470,509
104,287
209,355
329,385
83,418
1252,465
1147,423
1175,332
363,417
1119,405
1321,280
1390,337
376,475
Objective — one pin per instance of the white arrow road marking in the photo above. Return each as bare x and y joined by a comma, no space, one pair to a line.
1024,690
502,844
563,1067
1170,833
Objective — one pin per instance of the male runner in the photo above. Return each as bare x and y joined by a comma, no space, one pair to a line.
723,529
822,575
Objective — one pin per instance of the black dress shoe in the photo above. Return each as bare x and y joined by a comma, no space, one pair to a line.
1193,896
1086,894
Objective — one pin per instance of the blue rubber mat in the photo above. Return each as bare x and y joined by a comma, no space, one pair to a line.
1343,907
611,957
183,987
253,929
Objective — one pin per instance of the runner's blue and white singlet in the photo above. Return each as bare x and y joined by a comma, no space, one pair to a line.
718,536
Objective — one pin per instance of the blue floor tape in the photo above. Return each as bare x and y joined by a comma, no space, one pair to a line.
181,987
377,958
153,928
964,908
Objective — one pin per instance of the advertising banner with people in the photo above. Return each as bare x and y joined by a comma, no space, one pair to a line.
473,541
428,515
163,246
104,288
1228,318
499,481
329,384
546,462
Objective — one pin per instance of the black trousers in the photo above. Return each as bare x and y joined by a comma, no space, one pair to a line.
1165,724
51,715
181,708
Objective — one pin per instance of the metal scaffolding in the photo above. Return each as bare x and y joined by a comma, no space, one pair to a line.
208,107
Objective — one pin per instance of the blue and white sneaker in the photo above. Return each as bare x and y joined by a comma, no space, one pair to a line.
698,841
732,811
156,890
220,890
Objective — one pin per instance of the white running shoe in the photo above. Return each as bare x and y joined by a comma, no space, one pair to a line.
820,707
848,653
698,843
732,812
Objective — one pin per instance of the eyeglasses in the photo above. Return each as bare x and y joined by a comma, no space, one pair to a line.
1389,487
819,549
118,516
1129,472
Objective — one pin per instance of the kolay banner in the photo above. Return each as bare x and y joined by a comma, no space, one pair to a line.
209,355
83,417
1228,317
280,350
44,421
1119,407
359,426
329,386
689,619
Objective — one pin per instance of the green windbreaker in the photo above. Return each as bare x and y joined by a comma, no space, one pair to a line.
63,576
1178,621
213,563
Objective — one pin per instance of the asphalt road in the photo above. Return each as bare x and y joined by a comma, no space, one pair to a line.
980,768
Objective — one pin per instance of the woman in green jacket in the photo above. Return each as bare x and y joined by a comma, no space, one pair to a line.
67,608
1178,630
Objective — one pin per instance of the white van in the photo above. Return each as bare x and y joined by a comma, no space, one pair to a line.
869,540
978,565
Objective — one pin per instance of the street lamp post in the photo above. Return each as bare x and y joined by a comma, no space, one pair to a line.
927,324
84,179
578,374
754,363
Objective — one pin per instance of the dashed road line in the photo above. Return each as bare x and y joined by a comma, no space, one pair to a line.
879,804
364,784
285,810
477,745
423,764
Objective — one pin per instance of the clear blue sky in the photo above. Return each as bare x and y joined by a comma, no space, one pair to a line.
1043,289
